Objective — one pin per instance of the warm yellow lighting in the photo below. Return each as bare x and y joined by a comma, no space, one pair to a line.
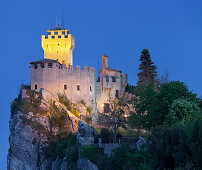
58,45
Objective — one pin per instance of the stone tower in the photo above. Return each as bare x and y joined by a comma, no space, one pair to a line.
58,44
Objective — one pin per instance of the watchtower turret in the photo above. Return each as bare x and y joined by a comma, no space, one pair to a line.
58,44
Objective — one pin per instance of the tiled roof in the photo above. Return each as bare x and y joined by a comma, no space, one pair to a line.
44,61
111,69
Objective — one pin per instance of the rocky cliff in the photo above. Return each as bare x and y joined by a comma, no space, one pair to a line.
37,135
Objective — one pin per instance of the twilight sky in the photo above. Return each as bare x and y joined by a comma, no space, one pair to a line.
171,30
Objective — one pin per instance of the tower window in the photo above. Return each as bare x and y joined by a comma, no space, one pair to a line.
49,33
52,36
91,88
56,33
63,32
50,65
78,87
59,36
66,36
35,66
113,79
117,93
42,65
35,86
65,87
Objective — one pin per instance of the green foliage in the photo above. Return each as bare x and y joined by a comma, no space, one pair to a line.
29,104
126,158
72,156
59,118
64,145
196,144
89,109
15,106
106,135
64,100
95,155
173,145
88,119
75,112
182,111
147,69
26,86
145,105
87,152
83,102
130,88
170,92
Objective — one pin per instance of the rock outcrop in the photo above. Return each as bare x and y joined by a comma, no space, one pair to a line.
85,164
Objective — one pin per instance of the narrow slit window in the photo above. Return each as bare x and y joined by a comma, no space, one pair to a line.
65,87
35,86
90,88
78,87
35,66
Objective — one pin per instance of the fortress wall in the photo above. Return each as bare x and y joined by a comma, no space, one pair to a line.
53,81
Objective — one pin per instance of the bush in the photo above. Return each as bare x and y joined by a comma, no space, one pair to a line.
182,111
75,112
64,100
89,110
95,155
64,144
83,102
106,135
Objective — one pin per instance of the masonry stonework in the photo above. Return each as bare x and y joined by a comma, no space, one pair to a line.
51,76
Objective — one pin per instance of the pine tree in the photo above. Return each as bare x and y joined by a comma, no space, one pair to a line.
147,69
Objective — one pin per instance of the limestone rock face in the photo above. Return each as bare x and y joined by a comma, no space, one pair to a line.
85,164
85,134
25,152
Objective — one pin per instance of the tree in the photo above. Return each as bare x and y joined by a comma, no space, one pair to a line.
145,105
170,92
147,69
182,111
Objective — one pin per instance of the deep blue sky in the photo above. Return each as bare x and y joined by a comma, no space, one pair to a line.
170,29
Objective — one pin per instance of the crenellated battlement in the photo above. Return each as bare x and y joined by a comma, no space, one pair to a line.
53,66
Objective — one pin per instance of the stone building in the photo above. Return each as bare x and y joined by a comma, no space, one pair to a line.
55,74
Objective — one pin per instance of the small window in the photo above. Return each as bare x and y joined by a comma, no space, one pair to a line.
49,33
117,93
78,87
106,108
90,88
66,36
65,87
113,79
59,36
42,65
35,86
50,65
46,37
107,78
56,33
35,66
63,32
52,36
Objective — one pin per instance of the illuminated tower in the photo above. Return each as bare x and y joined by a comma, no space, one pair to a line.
58,45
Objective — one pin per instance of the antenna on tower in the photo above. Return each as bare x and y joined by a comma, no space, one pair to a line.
98,67
63,24
49,20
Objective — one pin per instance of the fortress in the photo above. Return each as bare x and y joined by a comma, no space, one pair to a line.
55,74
